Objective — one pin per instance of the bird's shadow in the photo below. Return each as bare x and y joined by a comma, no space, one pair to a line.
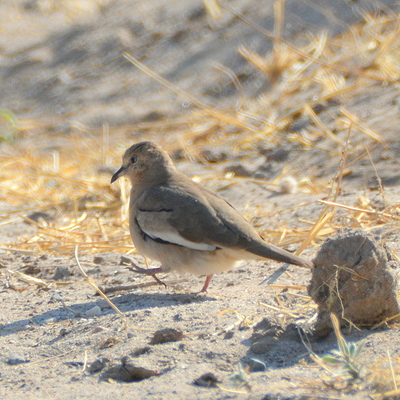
126,303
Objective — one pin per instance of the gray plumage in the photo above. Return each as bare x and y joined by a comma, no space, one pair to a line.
185,226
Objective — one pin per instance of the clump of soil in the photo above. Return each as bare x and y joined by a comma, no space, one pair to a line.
355,278
127,372
207,380
166,335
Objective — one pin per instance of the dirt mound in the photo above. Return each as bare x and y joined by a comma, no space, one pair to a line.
355,278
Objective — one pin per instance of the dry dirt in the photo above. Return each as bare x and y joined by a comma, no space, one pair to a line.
63,76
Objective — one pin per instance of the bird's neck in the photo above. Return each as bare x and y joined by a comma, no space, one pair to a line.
142,182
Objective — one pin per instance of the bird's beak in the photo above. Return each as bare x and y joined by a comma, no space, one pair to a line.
119,173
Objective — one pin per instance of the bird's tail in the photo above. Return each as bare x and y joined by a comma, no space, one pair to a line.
268,250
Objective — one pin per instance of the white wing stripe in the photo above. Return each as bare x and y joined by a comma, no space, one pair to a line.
175,238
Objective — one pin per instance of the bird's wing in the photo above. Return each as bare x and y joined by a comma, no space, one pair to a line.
185,216
199,219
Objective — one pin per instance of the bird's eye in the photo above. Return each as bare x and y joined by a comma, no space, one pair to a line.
133,159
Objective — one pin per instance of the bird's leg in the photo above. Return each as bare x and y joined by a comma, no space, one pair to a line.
150,271
206,283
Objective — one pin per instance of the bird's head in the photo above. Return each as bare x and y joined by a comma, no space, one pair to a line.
144,160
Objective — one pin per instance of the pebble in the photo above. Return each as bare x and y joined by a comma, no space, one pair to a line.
16,360
93,312
288,185
49,320
167,335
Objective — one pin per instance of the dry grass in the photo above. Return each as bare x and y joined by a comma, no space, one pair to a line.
69,181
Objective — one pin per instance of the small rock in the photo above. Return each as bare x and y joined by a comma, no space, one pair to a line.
207,380
97,365
98,260
167,335
238,170
140,350
16,360
93,312
229,335
256,365
63,332
287,185
50,320
127,372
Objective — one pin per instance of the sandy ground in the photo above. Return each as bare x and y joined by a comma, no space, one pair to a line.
65,72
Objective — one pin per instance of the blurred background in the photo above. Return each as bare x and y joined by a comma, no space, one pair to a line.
62,62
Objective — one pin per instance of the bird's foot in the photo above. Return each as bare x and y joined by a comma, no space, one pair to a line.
206,283
151,271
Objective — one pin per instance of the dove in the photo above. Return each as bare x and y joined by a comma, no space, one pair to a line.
185,226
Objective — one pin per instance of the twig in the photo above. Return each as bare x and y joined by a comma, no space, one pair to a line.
93,284
381,189
85,362
377,213
392,370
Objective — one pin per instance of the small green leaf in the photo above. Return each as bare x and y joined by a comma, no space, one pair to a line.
352,349
360,346
332,360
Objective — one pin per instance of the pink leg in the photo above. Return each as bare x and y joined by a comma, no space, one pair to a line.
206,283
